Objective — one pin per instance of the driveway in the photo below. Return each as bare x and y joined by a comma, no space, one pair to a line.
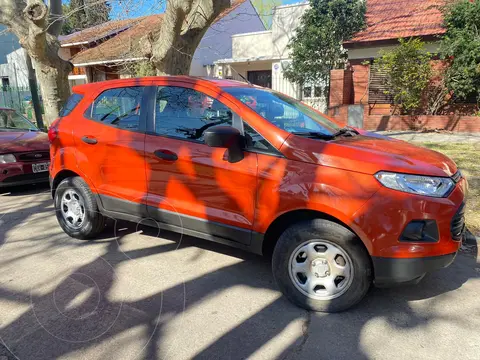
137,293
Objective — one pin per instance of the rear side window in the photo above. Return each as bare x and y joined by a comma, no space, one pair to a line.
119,107
72,101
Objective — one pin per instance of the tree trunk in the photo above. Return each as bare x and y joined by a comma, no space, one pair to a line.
54,87
176,59
184,24
28,21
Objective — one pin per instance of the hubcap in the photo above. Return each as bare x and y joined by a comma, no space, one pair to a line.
320,269
73,209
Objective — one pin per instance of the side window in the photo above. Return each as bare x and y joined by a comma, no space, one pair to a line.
72,101
256,142
186,113
119,107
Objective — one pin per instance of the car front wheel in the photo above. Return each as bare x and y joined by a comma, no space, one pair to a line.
321,266
76,209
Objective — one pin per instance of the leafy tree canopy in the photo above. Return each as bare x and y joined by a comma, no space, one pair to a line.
316,47
461,46
82,14
408,72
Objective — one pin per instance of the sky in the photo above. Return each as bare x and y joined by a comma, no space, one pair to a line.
122,9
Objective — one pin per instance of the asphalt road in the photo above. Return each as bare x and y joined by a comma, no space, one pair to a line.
134,295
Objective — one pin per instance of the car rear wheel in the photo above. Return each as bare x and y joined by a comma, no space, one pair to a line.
76,209
320,265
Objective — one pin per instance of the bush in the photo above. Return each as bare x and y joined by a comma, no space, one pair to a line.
408,73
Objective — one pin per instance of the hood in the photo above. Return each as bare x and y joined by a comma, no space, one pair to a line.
11,142
369,153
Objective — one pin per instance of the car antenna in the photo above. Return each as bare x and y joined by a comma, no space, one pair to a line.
243,77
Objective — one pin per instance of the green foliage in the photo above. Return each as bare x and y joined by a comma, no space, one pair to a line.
316,47
82,14
265,10
461,47
143,68
408,72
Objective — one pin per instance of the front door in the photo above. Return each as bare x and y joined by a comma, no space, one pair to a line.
191,185
110,148
261,78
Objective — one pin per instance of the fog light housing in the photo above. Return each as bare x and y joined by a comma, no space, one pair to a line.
420,231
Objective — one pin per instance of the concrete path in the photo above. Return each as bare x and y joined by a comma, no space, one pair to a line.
139,294
433,136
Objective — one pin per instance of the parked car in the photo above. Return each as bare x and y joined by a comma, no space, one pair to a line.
337,208
24,151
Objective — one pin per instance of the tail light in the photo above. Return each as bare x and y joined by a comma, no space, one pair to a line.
53,131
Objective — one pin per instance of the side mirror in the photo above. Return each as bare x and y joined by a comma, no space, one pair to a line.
226,137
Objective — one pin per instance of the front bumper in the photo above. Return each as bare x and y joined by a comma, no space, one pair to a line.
383,221
392,271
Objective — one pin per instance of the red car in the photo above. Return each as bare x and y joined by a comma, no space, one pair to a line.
338,207
24,151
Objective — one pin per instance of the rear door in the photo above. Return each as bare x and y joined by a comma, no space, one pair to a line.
110,147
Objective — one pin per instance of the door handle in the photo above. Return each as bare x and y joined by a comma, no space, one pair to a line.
166,155
89,140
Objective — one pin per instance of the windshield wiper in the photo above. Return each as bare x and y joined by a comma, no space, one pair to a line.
346,131
314,134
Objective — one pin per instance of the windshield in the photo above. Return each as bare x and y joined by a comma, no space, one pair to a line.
10,120
283,111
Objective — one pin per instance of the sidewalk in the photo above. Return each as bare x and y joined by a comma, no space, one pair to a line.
432,136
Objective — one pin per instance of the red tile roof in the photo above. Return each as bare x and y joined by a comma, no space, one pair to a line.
125,45
128,43
393,19
96,33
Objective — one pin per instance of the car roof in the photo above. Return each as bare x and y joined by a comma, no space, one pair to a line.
209,82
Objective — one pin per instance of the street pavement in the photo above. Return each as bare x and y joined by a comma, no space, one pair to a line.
140,293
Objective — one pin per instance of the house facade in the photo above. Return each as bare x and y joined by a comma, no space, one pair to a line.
357,94
113,52
261,57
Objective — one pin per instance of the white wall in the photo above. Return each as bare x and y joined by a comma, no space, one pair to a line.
285,20
252,45
374,52
217,43
16,69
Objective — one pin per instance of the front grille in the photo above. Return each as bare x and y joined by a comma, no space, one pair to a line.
43,176
458,223
34,156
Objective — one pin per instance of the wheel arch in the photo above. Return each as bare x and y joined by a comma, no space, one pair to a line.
285,220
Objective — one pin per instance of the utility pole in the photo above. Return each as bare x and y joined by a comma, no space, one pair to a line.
32,82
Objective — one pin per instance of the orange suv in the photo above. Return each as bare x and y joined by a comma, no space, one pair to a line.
337,208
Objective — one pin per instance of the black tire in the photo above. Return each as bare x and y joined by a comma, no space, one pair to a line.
341,237
93,223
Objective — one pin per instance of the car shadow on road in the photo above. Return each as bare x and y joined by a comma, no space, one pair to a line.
55,324
22,190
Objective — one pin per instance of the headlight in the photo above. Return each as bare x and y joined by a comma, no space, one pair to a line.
416,184
7,158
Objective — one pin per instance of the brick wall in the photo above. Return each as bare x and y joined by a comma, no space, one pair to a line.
336,87
444,122
374,121
341,87
360,83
